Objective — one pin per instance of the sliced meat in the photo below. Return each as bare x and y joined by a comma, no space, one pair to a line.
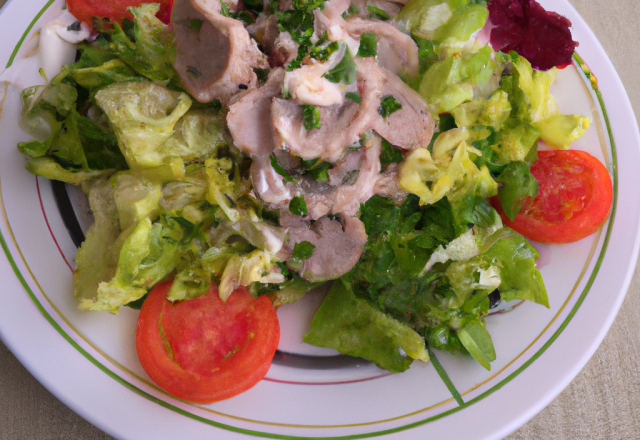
347,198
344,170
338,246
410,127
387,185
397,52
307,85
216,61
340,127
322,199
249,119
265,31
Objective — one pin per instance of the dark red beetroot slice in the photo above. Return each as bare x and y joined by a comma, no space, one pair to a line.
541,36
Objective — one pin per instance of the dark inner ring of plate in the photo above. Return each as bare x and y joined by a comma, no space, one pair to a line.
292,360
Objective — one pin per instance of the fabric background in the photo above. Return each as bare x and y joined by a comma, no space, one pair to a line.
603,402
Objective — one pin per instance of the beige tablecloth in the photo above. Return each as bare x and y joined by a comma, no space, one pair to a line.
603,402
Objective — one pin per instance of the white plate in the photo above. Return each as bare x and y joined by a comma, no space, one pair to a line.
88,359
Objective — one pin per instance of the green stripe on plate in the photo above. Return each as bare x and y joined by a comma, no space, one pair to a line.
480,397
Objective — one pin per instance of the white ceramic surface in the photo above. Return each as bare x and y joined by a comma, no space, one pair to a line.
88,359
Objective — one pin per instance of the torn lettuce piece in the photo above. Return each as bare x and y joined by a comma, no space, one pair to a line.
68,147
50,169
477,340
450,172
244,270
191,282
192,188
518,184
150,252
520,279
492,112
560,131
152,52
154,39
154,125
97,257
458,79
531,99
98,77
136,198
508,262
354,327
450,22
516,140
40,105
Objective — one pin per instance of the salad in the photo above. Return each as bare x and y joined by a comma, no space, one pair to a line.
238,154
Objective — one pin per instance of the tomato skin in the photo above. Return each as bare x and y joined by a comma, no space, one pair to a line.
574,198
218,350
115,10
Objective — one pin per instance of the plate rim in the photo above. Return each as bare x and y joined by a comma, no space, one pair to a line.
532,359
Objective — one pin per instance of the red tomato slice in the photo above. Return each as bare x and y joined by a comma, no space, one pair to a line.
574,198
115,10
204,350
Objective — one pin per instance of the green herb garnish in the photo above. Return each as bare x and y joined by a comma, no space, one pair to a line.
311,117
345,70
354,96
377,13
279,169
389,154
298,206
302,251
388,106
368,45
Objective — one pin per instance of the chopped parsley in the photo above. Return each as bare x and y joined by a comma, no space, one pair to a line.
317,169
274,163
389,154
302,52
298,206
242,15
311,117
354,96
302,251
345,70
224,9
388,106
377,13
322,53
351,11
261,74
368,45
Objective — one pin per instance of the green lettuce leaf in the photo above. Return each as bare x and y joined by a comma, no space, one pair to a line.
150,252
97,258
518,184
150,51
354,327
154,124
